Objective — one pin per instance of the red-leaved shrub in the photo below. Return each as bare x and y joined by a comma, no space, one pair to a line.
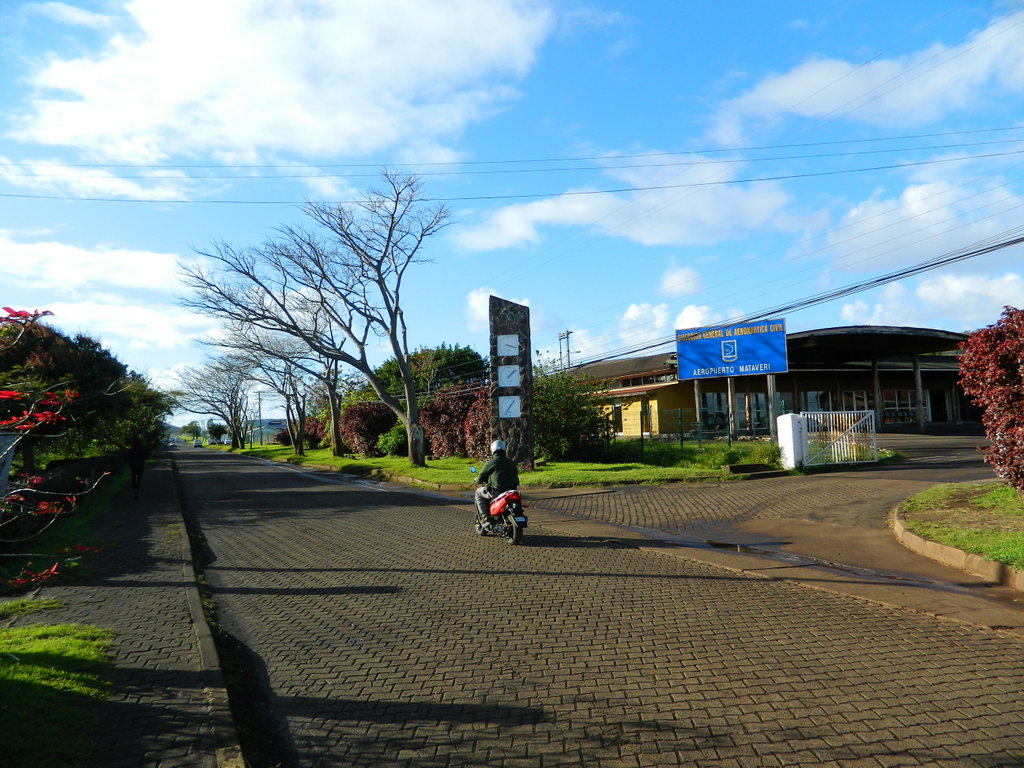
361,424
991,374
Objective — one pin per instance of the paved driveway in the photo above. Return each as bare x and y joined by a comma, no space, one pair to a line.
379,631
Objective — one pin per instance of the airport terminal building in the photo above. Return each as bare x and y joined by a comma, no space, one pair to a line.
907,376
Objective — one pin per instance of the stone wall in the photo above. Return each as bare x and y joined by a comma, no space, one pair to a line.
511,382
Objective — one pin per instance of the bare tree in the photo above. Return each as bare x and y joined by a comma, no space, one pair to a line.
288,366
338,290
285,365
219,388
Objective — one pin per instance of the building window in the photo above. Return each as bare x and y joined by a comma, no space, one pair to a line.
715,410
856,400
643,381
900,406
816,401
751,411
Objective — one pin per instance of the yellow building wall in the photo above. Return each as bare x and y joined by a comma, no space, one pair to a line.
663,409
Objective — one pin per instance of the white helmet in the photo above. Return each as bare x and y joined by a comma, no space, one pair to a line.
497,445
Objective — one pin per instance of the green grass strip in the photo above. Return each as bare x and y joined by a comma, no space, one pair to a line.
981,518
455,471
25,607
51,678
998,546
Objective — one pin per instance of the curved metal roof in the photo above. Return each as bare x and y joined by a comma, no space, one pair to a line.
819,347
862,343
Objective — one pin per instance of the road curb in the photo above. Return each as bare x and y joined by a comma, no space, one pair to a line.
226,750
976,565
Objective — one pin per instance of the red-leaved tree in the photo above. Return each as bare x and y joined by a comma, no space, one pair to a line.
478,426
992,375
26,509
443,418
457,422
362,424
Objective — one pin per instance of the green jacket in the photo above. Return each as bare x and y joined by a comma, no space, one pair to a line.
500,473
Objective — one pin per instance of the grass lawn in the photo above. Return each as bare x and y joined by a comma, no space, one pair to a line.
981,518
663,463
51,677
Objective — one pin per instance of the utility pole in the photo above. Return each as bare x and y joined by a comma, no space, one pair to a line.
565,337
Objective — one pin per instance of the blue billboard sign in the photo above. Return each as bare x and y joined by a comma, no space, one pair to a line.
744,349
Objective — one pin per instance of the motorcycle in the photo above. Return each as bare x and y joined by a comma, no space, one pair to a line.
507,517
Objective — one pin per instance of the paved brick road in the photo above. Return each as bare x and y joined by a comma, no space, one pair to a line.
379,622
856,497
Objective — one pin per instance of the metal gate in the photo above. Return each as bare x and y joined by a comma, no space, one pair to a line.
840,437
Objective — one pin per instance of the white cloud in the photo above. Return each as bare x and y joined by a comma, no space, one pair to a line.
56,177
693,316
477,312
694,206
926,220
517,224
67,270
69,14
643,323
313,78
680,281
950,302
167,378
975,300
129,327
478,307
897,306
911,90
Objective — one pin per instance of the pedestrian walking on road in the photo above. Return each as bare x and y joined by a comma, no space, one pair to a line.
136,457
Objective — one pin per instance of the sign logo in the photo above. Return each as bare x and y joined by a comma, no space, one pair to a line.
744,349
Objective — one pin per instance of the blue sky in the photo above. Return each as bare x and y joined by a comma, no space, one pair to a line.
626,169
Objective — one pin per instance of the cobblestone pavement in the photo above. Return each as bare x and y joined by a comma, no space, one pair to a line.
387,634
159,709
853,497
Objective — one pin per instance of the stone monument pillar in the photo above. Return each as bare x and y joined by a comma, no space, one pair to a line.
511,384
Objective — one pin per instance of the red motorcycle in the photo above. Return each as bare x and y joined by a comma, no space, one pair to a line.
507,517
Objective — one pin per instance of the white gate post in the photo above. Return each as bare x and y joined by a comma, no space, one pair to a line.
792,439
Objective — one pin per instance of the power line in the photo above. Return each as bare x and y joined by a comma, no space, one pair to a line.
535,195
1015,237
607,163
537,160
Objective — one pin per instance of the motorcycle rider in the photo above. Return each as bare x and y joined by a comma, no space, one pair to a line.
498,475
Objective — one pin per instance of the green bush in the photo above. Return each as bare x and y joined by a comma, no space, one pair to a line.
706,455
567,419
394,442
